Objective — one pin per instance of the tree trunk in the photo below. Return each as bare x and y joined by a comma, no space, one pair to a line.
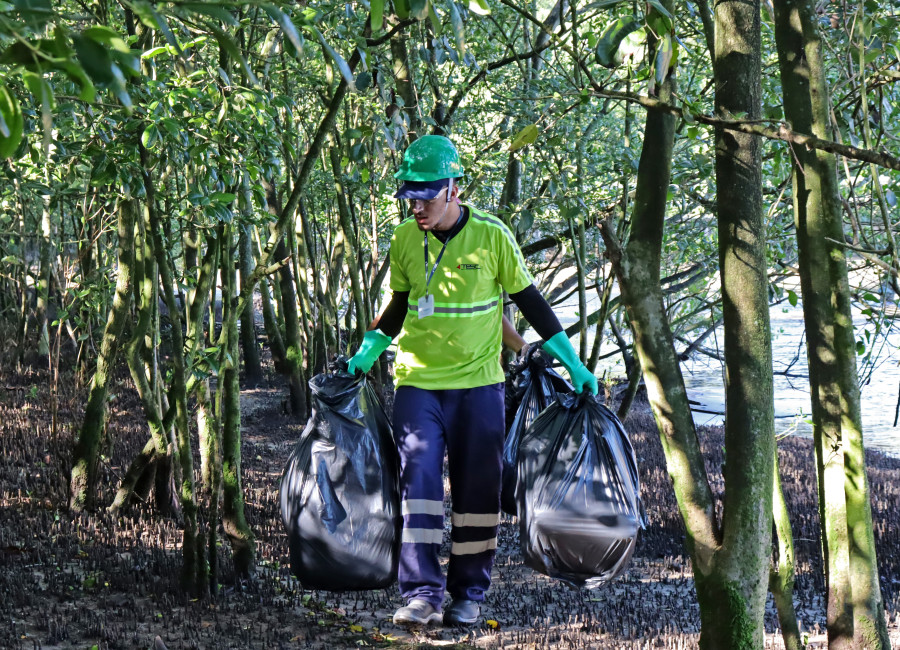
83,478
178,390
146,278
43,280
243,545
733,600
349,235
781,576
638,272
855,611
292,338
253,374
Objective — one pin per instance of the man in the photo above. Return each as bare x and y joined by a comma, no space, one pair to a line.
449,267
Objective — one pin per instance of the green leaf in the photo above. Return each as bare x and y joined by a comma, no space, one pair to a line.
418,9
286,25
792,298
479,7
43,93
608,46
526,220
656,4
459,29
401,7
376,13
339,61
222,197
212,10
660,23
94,58
524,137
664,52
154,52
14,123
107,36
363,80
436,25
232,49
150,136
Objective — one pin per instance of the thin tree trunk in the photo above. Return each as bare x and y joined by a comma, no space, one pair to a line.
406,89
293,342
349,235
243,544
83,478
855,611
178,390
43,282
146,280
733,599
637,269
253,375
781,575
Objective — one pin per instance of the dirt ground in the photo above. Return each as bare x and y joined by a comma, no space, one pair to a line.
98,581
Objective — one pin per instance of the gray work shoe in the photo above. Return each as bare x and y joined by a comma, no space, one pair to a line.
418,612
462,612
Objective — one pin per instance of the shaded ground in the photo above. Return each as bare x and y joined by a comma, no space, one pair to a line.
95,580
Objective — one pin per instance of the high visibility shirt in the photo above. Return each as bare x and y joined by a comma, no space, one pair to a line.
458,346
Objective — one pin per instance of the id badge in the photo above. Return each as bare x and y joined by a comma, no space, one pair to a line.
426,305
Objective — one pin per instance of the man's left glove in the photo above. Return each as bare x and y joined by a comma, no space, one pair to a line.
560,349
373,344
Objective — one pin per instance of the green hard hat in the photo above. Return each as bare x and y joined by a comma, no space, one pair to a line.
430,158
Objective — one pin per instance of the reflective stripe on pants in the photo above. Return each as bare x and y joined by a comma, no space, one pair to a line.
469,425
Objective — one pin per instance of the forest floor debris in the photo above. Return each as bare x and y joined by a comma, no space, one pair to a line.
95,580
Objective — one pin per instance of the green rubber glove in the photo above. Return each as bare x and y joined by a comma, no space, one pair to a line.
373,344
560,349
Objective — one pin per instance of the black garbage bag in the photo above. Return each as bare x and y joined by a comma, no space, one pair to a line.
578,493
340,495
530,387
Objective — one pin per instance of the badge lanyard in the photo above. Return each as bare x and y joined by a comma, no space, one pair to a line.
426,302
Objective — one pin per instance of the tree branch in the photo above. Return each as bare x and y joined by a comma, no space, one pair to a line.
755,127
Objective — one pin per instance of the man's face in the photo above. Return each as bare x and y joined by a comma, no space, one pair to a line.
436,213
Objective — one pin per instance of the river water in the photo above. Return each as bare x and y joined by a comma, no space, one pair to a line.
704,378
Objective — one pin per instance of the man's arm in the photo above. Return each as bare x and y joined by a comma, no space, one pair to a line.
511,338
538,313
381,331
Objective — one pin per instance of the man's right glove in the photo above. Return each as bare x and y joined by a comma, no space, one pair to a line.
560,349
373,344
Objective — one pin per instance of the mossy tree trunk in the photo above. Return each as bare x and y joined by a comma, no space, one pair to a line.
732,616
855,611
637,268
45,273
781,575
83,479
178,390
293,340
253,374
243,544
356,290
159,460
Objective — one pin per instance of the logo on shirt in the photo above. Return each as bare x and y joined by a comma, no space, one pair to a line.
468,267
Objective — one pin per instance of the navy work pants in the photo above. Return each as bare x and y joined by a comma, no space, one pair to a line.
469,424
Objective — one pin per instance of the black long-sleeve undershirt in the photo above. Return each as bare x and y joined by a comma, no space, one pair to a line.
531,303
